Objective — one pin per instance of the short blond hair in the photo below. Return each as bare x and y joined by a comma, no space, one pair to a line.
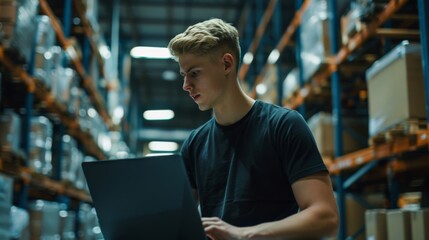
207,37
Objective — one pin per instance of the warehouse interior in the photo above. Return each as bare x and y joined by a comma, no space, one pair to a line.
71,92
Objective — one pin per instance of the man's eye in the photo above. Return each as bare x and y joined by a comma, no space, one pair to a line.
194,74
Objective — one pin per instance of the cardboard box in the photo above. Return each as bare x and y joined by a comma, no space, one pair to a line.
396,88
355,133
375,224
398,225
355,217
420,224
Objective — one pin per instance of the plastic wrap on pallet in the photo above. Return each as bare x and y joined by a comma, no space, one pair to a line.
20,221
84,106
6,195
314,35
57,72
67,89
291,83
72,159
67,224
45,219
10,131
89,227
80,177
396,88
361,12
40,158
45,40
97,125
25,28
355,133
75,100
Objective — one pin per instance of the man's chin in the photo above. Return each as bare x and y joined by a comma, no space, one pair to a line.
203,107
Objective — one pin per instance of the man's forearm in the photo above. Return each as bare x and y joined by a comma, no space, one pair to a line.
315,222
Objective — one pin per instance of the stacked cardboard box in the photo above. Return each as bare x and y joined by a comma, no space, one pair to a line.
355,133
376,227
398,224
40,158
396,88
420,224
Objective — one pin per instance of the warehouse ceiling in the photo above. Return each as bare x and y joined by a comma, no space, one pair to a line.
154,23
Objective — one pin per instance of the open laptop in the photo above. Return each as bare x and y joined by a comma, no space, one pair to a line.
144,198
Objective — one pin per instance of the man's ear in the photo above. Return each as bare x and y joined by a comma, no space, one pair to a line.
228,62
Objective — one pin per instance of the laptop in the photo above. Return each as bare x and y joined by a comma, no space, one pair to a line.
144,198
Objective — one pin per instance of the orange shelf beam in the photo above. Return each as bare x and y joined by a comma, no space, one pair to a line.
399,145
89,31
18,72
53,106
29,177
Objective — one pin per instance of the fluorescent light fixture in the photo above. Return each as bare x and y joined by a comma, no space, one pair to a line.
161,146
165,114
150,52
169,75
158,154
274,56
248,58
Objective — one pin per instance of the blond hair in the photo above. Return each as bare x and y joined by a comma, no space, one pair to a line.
208,37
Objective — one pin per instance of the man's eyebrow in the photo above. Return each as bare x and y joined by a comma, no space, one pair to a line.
189,69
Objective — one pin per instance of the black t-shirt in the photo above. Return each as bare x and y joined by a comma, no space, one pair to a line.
243,171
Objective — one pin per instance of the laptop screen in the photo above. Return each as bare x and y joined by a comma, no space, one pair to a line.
143,198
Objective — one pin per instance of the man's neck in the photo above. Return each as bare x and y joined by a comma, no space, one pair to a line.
234,108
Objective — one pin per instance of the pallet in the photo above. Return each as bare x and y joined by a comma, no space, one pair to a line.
406,128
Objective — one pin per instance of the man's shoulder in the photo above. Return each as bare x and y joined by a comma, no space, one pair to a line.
271,110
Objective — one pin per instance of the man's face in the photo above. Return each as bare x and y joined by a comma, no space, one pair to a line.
203,79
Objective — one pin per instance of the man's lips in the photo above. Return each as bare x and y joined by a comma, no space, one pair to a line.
195,96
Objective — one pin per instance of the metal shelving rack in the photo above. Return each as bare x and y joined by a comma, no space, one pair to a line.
364,160
35,90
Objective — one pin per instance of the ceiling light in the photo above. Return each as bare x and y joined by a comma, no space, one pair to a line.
158,114
158,154
150,52
169,75
162,146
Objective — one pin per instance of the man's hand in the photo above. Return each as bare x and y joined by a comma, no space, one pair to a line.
217,229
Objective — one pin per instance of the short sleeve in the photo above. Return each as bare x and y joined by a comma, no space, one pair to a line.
300,154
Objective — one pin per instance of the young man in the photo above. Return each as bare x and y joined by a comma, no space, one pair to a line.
254,167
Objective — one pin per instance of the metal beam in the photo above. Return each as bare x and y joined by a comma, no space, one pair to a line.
424,31
258,36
